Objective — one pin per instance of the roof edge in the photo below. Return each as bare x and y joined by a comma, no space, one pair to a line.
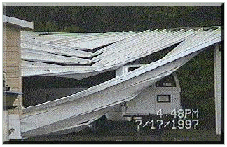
19,22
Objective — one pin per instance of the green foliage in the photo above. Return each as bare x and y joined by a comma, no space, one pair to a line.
115,18
190,135
50,26
73,29
197,86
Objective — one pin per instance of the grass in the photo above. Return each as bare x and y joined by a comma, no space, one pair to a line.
120,135
190,135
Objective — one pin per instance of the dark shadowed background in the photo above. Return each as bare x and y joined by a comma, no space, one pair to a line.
115,18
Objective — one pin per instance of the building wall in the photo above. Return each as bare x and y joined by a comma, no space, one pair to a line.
12,59
12,75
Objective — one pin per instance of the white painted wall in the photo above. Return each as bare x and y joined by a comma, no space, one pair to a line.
14,126
5,126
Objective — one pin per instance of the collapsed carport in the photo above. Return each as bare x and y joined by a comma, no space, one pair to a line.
133,82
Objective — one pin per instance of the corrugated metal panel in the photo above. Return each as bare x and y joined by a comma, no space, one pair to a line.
41,56
128,47
133,47
39,68
95,101
141,45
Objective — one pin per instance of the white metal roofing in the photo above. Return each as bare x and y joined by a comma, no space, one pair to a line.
41,56
196,42
70,49
87,105
96,40
141,45
63,48
16,21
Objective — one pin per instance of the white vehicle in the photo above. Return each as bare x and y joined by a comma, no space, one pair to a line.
163,95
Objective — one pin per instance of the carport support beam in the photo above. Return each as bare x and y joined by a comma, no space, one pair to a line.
217,88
